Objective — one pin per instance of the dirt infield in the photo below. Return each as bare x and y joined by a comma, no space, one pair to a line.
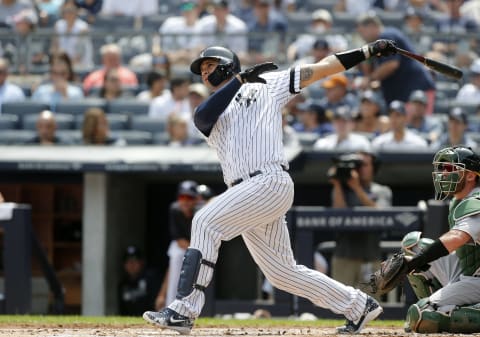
146,331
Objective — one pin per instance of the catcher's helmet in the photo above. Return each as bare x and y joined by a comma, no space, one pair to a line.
449,165
224,56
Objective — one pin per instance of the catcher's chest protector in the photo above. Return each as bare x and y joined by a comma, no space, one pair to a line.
469,255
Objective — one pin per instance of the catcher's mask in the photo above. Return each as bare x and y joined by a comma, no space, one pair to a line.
228,64
449,166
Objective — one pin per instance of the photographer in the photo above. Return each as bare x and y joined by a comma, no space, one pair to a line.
357,253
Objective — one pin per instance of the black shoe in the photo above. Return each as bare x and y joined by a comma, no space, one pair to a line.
372,310
169,319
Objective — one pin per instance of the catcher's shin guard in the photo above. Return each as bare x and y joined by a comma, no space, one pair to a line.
465,319
422,286
192,262
422,318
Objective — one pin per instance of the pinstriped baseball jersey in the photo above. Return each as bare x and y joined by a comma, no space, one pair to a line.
248,135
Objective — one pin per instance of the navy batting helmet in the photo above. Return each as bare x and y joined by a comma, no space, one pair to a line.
223,55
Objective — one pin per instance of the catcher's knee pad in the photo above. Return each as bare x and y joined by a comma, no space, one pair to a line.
465,319
422,317
187,282
422,286
413,243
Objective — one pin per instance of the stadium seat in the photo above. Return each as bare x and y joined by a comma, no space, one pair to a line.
78,107
70,136
23,108
345,20
147,123
115,121
9,122
16,137
111,23
311,5
64,121
128,106
307,138
298,22
134,137
161,138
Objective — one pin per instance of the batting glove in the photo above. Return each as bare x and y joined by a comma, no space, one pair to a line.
251,75
382,48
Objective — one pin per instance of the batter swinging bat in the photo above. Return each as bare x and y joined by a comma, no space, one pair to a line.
440,67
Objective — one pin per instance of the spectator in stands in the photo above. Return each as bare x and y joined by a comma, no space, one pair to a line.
223,29
60,85
470,92
46,130
96,131
173,102
266,33
455,22
138,286
313,118
354,8
398,75
178,34
23,49
369,112
9,8
321,24
181,214
48,11
73,37
89,9
414,26
156,82
197,93
428,126
320,50
112,88
357,253
471,9
290,136
343,139
400,137
457,126
111,58
135,8
336,93
178,134
8,92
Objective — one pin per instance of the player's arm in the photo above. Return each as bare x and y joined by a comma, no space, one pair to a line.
342,61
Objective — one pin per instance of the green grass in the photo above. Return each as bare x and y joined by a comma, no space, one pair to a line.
69,320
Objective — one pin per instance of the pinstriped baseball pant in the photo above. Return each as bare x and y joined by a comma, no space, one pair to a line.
256,210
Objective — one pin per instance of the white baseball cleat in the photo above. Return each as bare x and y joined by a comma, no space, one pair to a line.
169,319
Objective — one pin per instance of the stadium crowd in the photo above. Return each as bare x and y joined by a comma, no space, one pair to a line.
115,73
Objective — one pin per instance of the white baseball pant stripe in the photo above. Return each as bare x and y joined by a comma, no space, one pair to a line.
256,210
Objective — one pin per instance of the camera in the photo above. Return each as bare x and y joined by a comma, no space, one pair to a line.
344,164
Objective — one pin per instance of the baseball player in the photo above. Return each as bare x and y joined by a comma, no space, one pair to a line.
242,121
446,272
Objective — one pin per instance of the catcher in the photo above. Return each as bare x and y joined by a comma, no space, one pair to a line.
444,273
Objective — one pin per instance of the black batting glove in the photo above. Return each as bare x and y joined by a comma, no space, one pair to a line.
382,47
251,75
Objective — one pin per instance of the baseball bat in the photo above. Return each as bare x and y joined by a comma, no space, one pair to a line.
440,67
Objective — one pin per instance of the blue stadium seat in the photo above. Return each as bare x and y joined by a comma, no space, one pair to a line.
64,121
9,122
298,22
70,136
161,138
23,108
16,137
147,123
134,137
115,121
112,23
78,107
132,107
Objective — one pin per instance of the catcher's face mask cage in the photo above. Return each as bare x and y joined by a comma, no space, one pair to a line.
449,167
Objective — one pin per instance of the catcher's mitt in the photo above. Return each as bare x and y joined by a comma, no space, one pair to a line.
391,273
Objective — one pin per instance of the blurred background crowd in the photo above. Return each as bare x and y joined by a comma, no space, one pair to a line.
117,73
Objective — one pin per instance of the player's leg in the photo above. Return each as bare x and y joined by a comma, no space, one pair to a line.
254,202
271,249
